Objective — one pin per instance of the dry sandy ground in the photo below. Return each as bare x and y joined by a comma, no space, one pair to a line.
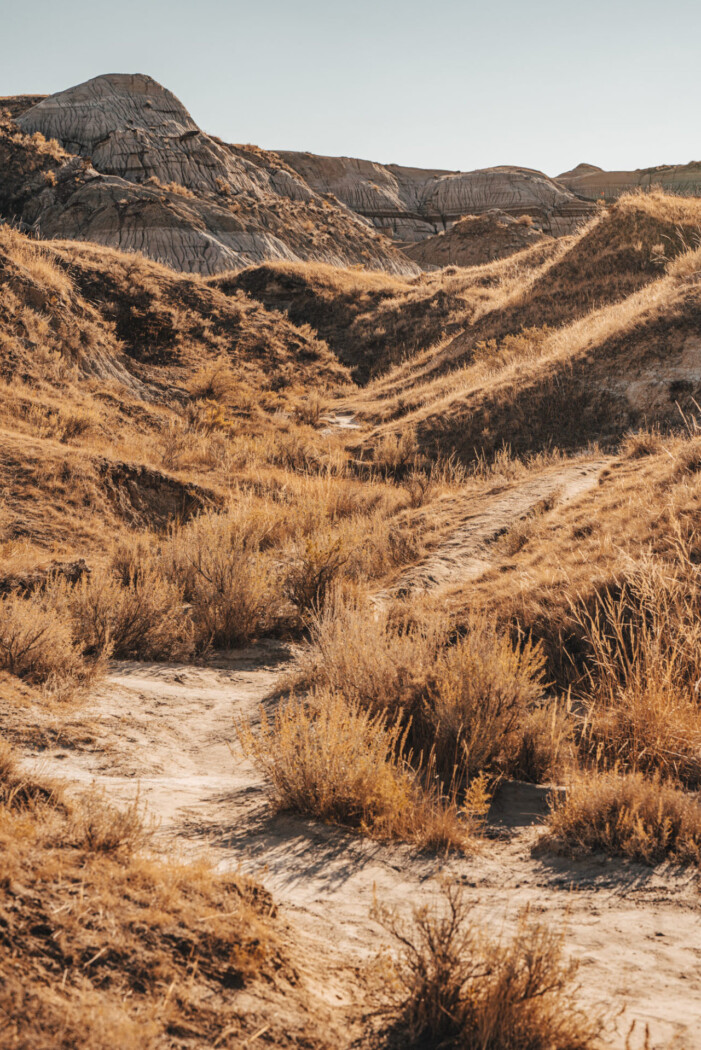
168,732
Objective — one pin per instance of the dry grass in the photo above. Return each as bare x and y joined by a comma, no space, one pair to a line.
103,945
455,987
38,645
628,815
473,704
641,692
329,758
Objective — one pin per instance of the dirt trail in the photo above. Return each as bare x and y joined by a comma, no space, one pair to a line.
466,553
168,732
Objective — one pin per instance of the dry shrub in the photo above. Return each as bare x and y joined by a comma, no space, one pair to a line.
641,696
420,486
479,696
455,988
376,656
37,642
474,705
329,758
98,826
230,583
313,567
641,443
627,814
141,616
19,791
397,453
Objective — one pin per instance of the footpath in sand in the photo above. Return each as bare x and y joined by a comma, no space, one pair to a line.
167,732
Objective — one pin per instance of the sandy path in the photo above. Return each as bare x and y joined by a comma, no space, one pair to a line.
167,731
465,554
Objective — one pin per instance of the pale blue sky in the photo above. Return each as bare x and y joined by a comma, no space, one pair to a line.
434,83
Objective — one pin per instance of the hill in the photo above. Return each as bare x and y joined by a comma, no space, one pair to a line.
128,167
477,239
414,203
592,183
377,585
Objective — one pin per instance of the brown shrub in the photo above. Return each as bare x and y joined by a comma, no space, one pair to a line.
142,616
629,815
479,695
329,758
641,696
98,826
474,705
38,645
453,987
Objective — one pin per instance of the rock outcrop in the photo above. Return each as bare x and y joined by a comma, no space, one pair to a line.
477,239
414,203
592,183
119,161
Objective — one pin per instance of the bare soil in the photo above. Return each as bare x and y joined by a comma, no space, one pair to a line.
167,732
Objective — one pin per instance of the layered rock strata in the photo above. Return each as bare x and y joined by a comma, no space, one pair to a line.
131,169
414,203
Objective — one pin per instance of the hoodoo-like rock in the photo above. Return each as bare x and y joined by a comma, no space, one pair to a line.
414,203
119,160
477,239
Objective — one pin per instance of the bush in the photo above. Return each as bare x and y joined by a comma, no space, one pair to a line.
640,695
473,706
37,642
629,815
478,697
141,617
454,988
331,759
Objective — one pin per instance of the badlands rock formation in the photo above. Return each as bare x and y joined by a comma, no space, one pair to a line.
414,203
135,172
477,239
588,181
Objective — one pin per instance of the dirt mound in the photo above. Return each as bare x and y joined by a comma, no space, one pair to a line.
135,172
369,320
477,239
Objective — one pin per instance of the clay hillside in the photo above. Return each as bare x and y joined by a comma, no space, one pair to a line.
591,183
119,161
350,606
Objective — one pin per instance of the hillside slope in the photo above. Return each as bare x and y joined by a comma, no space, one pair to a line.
135,172
414,203
109,363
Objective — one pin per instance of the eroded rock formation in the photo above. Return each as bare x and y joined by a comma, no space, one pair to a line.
119,161
592,183
414,203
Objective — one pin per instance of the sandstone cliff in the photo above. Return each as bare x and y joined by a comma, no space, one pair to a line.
126,166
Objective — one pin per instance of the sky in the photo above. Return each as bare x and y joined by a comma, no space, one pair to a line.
451,84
